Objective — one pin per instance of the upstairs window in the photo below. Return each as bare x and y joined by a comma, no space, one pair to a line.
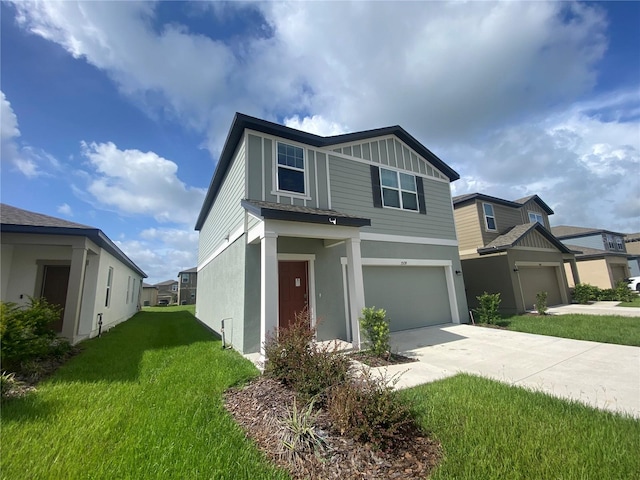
536,217
489,217
174,287
291,168
398,190
185,278
612,245
619,244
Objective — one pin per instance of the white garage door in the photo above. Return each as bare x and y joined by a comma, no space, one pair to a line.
412,296
539,279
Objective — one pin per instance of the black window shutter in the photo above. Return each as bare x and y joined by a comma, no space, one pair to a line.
375,186
422,204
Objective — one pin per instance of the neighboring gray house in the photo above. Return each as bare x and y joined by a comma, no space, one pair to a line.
188,284
294,220
603,260
168,292
72,265
506,247
632,245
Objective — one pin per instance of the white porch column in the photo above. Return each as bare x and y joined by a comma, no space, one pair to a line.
74,293
356,287
268,287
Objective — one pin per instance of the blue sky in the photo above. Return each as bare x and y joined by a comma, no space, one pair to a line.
114,113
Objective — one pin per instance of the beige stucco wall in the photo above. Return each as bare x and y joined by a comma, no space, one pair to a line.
598,272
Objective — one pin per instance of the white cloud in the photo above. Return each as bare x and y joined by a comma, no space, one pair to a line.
330,60
65,209
162,252
315,124
27,160
141,183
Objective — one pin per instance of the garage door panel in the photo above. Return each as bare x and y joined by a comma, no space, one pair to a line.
413,297
539,279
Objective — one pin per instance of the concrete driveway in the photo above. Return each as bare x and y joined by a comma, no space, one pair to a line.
602,375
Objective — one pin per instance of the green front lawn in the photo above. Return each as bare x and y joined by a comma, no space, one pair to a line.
143,401
489,430
633,303
596,328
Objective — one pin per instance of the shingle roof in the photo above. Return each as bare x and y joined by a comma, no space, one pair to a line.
462,199
594,252
166,282
279,211
242,122
568,231
190,270
512,237
10,215
17,220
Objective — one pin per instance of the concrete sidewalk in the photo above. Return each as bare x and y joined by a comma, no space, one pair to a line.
596,308
602,375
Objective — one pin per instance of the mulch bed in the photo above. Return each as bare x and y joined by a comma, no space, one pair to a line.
368,358
259,408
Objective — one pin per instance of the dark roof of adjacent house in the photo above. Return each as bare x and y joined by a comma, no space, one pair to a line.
512,238
17,220
146,285
165,283
242,122
190,270
568,231
586,252
296,213
460,200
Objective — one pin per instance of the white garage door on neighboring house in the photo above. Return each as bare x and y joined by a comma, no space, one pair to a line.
413,296
539,279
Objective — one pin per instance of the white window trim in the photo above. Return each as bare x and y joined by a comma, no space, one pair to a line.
107,302
536,215
400,190
485,216
278,191
184,278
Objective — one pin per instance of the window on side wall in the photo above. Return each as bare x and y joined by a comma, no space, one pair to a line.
536,217
619,244
290,175
174,287
107,300
612,245
185,278
489,217
398,190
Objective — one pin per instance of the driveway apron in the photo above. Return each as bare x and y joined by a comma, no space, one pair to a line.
601,375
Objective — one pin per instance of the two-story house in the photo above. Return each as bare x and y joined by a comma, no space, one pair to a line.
506,247
188,284
632,245
294,220
603,260
167,292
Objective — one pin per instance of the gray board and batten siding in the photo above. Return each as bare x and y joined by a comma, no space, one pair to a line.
337,182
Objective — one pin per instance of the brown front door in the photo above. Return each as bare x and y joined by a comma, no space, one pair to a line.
293,290
54,289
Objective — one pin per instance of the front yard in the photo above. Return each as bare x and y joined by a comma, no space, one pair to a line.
146,401
596,328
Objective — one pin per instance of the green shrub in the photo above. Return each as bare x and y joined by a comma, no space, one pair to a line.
8,382
298,362
24,331
488,310
584,293
375,325
369,410
541,303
